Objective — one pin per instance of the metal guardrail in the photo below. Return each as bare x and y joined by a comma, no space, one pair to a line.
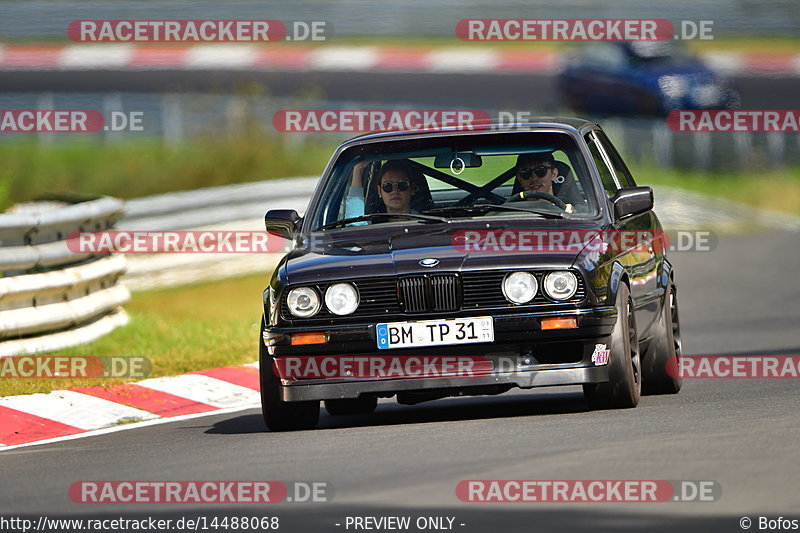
215,205
50,296
238,207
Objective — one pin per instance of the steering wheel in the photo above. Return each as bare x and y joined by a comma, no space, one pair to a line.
529,195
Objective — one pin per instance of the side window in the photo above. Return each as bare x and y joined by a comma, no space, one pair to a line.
621,169
606,175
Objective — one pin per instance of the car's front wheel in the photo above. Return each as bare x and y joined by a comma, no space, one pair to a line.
624,365
278,414
662,362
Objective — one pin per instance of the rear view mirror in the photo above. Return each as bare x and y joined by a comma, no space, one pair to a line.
631,201
457,161
282,222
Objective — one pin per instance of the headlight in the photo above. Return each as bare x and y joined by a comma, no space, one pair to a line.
303,302
673,86
341,299
560,285
519,287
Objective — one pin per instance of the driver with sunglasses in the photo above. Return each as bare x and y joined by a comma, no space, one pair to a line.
395,188
536,172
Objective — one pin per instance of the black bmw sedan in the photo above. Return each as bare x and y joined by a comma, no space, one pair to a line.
464,262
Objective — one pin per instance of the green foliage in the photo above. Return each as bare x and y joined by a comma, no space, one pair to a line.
136,168
776,190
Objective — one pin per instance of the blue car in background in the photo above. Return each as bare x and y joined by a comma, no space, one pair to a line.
640,78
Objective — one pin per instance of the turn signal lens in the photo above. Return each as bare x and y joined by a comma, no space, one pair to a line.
558,322
314,337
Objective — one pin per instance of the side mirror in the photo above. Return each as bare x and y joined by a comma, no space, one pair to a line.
631,201
282,222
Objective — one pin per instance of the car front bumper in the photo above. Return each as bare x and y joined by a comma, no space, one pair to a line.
522,355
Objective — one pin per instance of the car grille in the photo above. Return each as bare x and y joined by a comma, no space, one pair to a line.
432,293
419,294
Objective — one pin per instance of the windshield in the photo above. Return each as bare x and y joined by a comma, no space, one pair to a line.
439,179
658,51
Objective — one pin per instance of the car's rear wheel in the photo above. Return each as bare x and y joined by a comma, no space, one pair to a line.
624,366
660,372
278,414
352,406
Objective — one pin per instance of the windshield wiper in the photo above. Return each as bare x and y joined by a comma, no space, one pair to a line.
371,216
494,207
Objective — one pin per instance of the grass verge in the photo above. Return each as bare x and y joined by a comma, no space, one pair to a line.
137,168
775,190
179,329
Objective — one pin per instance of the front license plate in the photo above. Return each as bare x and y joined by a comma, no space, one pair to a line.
435,332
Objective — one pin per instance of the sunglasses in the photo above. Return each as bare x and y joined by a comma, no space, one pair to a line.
541,171
388,186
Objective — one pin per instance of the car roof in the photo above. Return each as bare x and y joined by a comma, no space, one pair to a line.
530,124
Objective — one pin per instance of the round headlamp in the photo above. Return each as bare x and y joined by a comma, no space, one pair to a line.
303,302
560,285
520,287
341,299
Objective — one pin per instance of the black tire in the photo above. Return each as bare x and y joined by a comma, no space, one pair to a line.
280,415
660,373
352,406
624,366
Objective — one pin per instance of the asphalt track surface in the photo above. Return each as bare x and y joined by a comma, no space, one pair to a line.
741,298
534,92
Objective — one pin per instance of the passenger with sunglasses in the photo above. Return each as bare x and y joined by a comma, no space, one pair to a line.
395,188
